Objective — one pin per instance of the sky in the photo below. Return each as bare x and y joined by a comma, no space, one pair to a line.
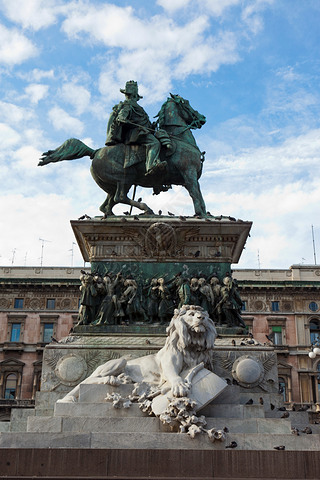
252,67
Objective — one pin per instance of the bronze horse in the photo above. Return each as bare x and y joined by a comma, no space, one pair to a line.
184,161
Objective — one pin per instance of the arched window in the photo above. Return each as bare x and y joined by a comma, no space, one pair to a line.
10,387
282,388
314,326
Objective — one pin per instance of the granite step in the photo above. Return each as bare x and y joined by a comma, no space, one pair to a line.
147,440
105,409
149,424
233,411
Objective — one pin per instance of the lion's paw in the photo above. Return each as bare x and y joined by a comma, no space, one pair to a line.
108,380
180,389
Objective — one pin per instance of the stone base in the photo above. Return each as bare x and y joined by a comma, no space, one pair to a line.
146,464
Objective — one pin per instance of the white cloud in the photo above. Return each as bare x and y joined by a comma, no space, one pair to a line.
8,136
15,48
42,213
34,14
36,92
61,120
14,114
25,158
36,75
77,96
213,7
217,7
173,5
296,155
153,51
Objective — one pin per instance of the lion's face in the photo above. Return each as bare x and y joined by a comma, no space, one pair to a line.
196,321
191,330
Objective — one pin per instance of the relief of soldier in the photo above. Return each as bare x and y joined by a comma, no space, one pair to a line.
116,299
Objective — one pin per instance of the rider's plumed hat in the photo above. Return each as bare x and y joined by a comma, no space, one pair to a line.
131,88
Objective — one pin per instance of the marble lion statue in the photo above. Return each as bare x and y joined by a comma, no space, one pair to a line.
191,336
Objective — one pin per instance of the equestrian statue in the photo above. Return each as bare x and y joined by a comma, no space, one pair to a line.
138,152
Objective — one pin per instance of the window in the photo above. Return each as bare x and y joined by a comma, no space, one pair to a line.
15,332
51,303
313,306
282,388
18,303
47,332
244,306
10,387
275,306
314,326
277,335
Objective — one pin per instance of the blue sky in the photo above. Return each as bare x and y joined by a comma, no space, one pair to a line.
251,67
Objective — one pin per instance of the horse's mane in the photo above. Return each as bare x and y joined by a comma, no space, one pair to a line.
160,115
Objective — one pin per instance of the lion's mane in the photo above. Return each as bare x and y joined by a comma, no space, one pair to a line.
195,346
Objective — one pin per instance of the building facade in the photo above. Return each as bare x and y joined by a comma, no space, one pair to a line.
36,305
40,305
283,307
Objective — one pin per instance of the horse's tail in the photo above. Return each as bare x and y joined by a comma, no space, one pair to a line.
70,150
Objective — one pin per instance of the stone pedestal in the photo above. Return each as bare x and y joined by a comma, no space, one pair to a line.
155,246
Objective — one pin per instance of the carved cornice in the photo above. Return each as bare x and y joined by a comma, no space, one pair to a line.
163,239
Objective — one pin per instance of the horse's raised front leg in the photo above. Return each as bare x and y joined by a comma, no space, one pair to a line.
193,187
121,196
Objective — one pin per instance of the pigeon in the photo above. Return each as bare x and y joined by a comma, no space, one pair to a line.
171,214
249,402
136,217
295,431
282,409
148,342
226,430
233,342
83,217
197,253
261,401
280,447
303,408
307,430
139,199
272,406
126,213
232,445
160,212
285,415
182,218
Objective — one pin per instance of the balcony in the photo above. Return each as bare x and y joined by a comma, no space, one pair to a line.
13,346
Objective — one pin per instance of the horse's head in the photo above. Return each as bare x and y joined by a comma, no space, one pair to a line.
178,112
191,116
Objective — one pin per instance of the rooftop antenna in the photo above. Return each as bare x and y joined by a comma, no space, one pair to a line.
259,265
314,246
71,250
42,247
13,255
